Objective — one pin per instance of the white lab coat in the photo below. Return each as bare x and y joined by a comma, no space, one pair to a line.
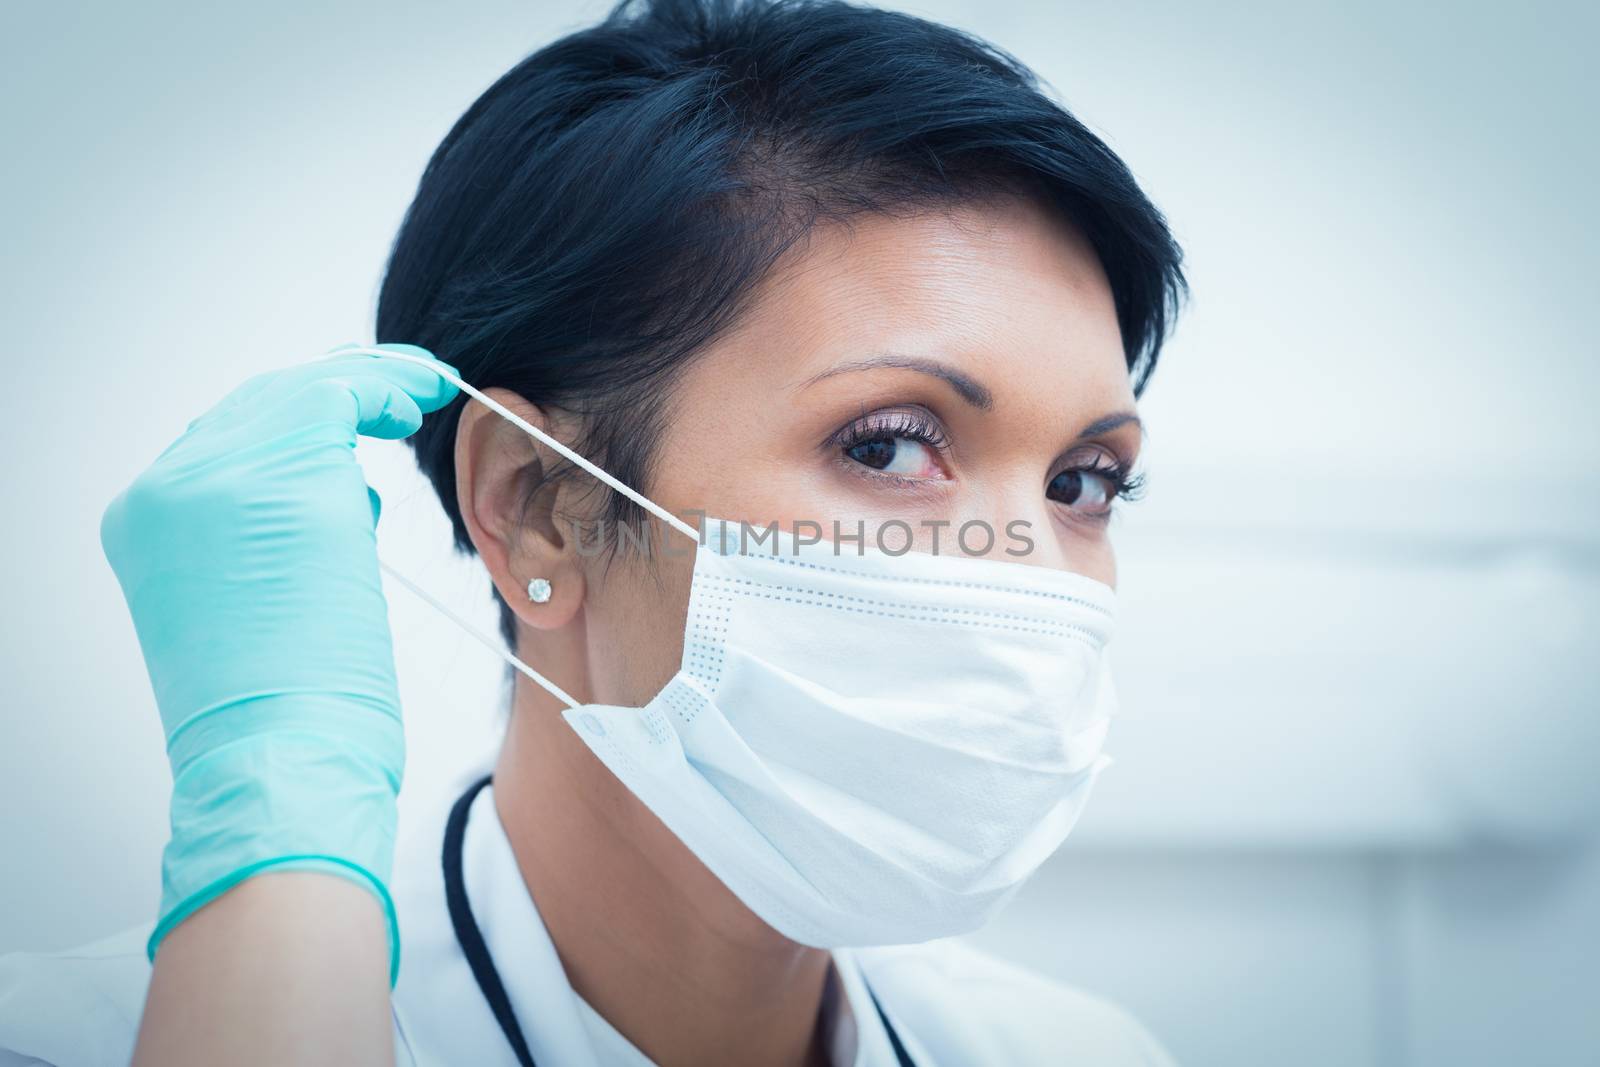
949,1004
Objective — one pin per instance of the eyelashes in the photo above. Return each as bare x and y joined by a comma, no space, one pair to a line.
911,424
1091,491
884,443
1126,484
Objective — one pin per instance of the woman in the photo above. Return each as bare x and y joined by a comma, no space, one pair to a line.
809,266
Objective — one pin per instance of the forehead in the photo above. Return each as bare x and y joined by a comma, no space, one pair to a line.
1003,289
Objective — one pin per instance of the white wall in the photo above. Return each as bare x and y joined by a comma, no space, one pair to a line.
1352,816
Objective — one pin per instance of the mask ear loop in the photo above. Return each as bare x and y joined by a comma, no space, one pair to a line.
522,424
484,639
500,409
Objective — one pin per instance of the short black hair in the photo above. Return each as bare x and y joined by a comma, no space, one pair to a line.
606,208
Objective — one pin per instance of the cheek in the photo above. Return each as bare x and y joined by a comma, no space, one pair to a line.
1089,553
635,621
763,475
1099,562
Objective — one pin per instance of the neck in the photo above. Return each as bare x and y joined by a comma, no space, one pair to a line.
648,936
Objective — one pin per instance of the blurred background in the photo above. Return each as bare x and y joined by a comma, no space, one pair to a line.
1353,815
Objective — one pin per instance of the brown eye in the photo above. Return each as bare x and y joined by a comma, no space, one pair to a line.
1087,490
905,444
904,456
877,454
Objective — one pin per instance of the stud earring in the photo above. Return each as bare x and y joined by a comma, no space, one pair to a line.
539,590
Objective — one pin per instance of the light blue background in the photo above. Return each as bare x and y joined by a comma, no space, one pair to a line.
1352,818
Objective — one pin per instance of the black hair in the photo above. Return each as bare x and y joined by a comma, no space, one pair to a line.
606,208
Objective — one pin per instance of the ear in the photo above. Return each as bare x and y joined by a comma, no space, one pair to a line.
511,513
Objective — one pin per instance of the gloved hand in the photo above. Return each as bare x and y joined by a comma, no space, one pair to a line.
247,554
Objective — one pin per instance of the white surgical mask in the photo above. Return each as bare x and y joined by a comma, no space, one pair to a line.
866,748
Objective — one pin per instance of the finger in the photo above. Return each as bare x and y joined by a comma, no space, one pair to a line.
426,386
421,382
264,391
370,403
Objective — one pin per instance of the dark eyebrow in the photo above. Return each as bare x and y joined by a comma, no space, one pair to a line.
1107,423
966,388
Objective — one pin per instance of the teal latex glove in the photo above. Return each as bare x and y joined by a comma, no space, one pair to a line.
248,556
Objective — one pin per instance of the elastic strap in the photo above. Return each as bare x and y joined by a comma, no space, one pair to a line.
500,409
527,427
484,639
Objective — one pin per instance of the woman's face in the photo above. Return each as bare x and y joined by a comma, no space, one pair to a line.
963,365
